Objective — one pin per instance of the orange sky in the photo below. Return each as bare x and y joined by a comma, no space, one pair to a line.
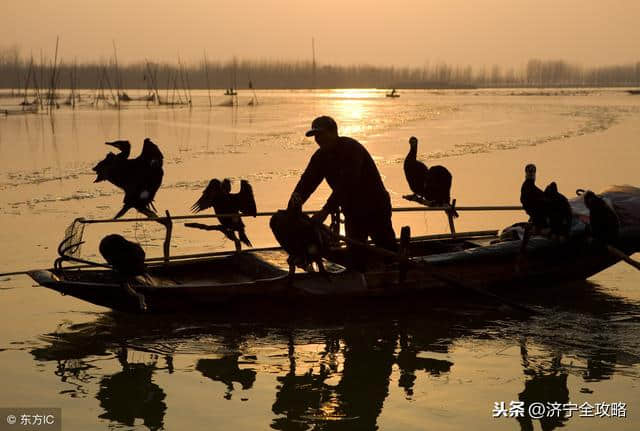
402,32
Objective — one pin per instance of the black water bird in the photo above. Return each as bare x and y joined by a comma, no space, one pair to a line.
533,199
603,221
305,241
127,260
433,184
559,211
217,195
140,178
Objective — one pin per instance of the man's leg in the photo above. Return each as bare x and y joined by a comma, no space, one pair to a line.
382,231
356,229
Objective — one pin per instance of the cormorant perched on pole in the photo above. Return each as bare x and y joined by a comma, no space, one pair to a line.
218,196
140,178
432,184
533,199
559,211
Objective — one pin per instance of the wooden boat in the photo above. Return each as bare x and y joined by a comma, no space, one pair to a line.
124,97
436,263
26,109
261,276
634,92
392,93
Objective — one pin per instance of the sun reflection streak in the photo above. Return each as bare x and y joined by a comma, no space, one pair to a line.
350,114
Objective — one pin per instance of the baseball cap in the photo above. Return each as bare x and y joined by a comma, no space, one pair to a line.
321,124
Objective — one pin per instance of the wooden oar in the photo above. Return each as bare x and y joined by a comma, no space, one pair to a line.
436,273
621,255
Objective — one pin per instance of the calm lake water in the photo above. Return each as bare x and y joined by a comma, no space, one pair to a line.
437,365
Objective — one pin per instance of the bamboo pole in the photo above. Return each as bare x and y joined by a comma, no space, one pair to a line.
52,88
75,82
152,79
438,273
117,81
206,71
26,85
270,213
36,86
168,86
172,259
182,80
108,81
167,239
623,256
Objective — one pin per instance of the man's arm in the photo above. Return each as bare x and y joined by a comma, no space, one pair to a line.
332,203
309,181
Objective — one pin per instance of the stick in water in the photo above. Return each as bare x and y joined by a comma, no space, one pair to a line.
621,255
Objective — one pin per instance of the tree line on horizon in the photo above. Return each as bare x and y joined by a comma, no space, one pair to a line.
20,72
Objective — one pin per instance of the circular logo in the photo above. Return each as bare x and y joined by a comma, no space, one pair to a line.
11,419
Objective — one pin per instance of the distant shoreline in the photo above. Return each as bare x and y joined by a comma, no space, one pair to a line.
22,72
19,92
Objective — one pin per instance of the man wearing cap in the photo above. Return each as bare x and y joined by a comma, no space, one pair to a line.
356,184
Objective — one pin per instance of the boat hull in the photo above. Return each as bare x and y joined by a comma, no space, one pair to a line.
237,280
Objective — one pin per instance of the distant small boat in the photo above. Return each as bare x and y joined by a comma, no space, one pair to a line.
634,92
26,109
230,92
393,93
124,97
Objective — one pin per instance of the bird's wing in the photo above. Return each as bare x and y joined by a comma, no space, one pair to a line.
206,200
246,199
151,153
123,146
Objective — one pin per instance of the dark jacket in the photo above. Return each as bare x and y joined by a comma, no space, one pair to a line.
352,175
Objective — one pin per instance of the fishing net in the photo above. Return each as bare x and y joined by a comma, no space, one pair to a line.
72,242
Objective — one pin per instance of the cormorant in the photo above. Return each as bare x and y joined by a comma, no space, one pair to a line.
127,260
218,196
533,199
140,178
559,211
603,219
432,184
301,238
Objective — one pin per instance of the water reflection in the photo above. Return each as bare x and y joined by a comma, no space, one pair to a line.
227,371
130,394
334,373
543,385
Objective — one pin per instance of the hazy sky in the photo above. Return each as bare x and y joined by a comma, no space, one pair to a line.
401,32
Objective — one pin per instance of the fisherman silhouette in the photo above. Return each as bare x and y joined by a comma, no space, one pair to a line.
357,189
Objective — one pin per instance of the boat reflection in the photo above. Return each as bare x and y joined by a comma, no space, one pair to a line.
332,375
